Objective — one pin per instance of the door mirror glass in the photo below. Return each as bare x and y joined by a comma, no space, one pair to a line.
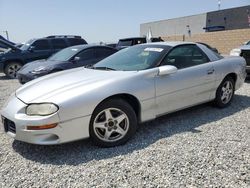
76,58
167,69
31,48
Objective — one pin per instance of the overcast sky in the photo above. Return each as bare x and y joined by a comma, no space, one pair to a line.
95,20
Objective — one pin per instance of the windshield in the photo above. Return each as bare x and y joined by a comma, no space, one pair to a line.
248,43
135,58
65,54
27,45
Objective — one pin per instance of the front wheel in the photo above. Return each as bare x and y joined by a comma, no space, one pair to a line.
112,123
11,69
225,92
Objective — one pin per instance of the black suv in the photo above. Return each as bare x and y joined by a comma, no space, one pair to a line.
124,43
14,58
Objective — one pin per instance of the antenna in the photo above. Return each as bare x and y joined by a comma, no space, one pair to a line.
219,3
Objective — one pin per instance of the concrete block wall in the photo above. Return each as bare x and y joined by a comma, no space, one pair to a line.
224,41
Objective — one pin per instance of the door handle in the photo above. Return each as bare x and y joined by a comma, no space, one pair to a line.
210,71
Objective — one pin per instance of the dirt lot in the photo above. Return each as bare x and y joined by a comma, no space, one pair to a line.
198,147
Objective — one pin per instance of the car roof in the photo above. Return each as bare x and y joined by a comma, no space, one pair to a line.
170,43
132,38
85,46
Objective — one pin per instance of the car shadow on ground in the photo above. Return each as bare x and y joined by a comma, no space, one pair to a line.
3,77
164,127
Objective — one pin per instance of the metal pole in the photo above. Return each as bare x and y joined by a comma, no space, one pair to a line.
219,3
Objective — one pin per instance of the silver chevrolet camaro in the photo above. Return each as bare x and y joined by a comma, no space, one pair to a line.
107,101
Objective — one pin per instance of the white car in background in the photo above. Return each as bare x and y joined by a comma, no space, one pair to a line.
243,51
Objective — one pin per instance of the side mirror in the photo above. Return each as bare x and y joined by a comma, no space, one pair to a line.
31,48
76,58
166,70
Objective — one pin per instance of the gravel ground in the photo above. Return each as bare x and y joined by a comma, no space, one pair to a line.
198,147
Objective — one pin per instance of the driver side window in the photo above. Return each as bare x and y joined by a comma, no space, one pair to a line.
185,56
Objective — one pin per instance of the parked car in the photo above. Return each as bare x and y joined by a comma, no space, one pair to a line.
13,59
68,58
107,101
124,43
208,46
243,51
112,45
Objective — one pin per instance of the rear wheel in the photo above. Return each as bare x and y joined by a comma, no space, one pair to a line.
112,123
225,92
12,68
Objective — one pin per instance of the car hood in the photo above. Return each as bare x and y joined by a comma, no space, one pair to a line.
8,44
37,64
45,88
244,47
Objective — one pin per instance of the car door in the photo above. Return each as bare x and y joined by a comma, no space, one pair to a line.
40,49
191,84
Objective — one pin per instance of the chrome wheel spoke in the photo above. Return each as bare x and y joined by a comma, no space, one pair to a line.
120,118
120,130
228,85
100,125
108,114
107,134
223,97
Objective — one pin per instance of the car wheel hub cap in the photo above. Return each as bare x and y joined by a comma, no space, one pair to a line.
227,92
111,125
13,69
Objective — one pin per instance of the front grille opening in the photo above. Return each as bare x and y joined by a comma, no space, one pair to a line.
9,126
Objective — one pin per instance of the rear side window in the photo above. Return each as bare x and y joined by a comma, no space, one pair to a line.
58,43
103,52
41,45
185,56
74,42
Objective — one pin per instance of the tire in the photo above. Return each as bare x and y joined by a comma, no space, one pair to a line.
113,123
12,68
225,93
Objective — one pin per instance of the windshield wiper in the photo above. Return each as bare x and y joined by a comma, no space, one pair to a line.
99,68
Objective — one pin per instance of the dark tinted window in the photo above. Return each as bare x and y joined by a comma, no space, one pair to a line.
75,41
58,43
125,43
87,54
41,45
185,56
104,52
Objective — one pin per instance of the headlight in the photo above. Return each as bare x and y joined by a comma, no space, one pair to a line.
235,52
40,69
43,109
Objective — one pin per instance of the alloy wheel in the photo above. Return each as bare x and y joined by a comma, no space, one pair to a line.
227,92
13,69
111,125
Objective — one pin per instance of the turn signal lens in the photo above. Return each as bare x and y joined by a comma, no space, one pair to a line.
42,127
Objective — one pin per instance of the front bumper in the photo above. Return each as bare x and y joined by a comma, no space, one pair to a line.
24,78
248,69
1,67
67,131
